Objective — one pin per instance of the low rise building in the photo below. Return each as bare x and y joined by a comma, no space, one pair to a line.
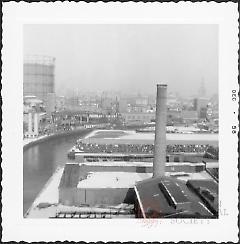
140,117
106,184
166,197
189,116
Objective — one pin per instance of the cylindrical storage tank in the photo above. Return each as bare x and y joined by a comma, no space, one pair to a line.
38,76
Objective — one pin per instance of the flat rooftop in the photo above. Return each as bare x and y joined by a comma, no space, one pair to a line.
78,152
121,179
183,176
148,155
168,197
136,163
117,164
112,179
132,137
129,179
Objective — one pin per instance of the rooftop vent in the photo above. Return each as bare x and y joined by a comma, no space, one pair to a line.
174,195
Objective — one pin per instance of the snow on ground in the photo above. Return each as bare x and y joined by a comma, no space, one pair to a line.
212,165
106,134
128,179
136,164
183,128
43,213
132,137
97,208
193,137
118,164
52,211
170,136
50,191
112,179
48,195
29,140
203,175
91,134
173,136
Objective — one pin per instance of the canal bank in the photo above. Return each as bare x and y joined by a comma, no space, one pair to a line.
54,136
40,161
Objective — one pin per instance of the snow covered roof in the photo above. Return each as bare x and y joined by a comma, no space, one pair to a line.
112,179
131,137
137,164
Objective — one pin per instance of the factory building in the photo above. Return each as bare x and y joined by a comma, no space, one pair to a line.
159,189
167,197
172,197
200,105
50,103
138,117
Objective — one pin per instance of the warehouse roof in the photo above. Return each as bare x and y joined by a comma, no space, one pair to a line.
112,179
169,198
131,137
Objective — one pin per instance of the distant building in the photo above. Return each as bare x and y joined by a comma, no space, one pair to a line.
51,103
199,105
203,113
140,100
33,121
94,108
38,76
123,105
172,101
195,104
174,115
60,103
72,103
141,117
107,103
189,116
32,103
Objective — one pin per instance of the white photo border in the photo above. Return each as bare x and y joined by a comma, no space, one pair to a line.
15,227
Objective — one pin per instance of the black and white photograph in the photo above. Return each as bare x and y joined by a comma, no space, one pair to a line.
123,121
115,142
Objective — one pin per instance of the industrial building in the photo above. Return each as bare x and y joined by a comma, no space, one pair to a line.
158,189
166,197
50,103
140,117
38,76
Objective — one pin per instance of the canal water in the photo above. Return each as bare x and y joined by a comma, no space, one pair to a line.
40,162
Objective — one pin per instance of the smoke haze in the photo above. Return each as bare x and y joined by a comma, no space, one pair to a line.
128,58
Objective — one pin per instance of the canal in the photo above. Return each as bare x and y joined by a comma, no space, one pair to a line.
40,162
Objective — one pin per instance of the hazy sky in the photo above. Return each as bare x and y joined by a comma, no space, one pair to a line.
130,58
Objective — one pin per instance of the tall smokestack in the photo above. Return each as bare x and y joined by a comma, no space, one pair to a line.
160,131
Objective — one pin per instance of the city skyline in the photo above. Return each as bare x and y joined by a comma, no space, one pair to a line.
128,58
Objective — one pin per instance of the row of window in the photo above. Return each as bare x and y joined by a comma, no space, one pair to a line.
38,69
139,117
38,79
30,84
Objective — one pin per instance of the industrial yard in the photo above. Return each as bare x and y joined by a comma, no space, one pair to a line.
150,175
